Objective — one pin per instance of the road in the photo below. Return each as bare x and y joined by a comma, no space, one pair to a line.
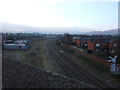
73,69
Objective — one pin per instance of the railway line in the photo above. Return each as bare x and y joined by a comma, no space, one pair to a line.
73,69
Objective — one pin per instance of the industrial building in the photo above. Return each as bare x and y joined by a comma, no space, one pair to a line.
16,44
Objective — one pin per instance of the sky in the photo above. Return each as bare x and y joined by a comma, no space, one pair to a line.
92,14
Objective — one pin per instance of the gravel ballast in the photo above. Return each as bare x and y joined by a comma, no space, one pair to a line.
20,75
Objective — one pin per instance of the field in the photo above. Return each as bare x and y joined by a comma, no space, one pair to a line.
36,55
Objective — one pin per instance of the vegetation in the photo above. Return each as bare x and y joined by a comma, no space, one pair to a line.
66,49
35,56
67,39
96,65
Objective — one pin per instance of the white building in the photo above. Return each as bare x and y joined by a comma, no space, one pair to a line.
17,44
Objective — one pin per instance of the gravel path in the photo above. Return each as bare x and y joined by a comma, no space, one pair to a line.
19,75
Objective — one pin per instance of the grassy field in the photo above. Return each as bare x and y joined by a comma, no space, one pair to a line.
36,55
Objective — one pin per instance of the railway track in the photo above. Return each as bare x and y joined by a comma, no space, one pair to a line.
73,69
64,65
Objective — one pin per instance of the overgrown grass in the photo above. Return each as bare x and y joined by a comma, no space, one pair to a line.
57,43
65,49
94,64
68,50
35,56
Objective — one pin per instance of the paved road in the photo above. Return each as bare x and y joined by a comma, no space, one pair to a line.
74,69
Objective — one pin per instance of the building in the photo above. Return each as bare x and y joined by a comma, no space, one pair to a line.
15,44
90,45
97,44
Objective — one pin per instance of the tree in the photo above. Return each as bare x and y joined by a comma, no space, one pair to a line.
67,38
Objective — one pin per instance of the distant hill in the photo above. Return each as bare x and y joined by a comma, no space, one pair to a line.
14,28
107,32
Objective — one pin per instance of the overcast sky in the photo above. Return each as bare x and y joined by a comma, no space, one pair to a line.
61,13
